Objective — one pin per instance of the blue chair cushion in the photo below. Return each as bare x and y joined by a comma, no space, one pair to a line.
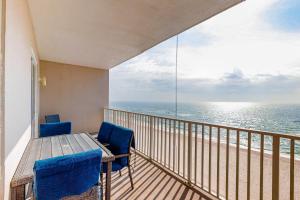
116,166
119,143
51,129
62,176
105,132
52,118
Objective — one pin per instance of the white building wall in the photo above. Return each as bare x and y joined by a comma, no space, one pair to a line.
20,45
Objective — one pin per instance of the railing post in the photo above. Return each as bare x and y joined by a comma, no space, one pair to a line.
151,137
189,152
275,167
114,117
128,120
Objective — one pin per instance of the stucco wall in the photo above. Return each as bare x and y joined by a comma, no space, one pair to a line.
19,48
78,94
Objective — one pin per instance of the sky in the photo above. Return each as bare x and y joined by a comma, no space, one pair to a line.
250,52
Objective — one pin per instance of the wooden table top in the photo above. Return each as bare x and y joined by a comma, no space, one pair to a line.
48,147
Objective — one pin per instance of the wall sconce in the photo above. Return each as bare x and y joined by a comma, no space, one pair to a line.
43,81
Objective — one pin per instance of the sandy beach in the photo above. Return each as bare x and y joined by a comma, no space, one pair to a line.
169,150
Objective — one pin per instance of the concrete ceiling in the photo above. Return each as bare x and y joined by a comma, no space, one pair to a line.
105,33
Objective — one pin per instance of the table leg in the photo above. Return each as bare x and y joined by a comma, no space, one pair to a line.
108,181
17,193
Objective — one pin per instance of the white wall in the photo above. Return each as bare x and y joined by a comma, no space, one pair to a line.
20,44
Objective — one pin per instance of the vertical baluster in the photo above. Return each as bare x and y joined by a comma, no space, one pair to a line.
161,140
165,151
292,173
184,150
169,162
114,117
174,143
209,160
179,147
154,138
157,139
128,120
149,136
275,167
249,166
202,158
145,134
227,160
237,176
261,181
141,132
218,163
196,151
189,152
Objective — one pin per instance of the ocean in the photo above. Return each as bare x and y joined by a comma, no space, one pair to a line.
278,118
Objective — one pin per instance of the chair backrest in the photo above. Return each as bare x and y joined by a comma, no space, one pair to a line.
51,129
58,177
52,118
105,132
120,143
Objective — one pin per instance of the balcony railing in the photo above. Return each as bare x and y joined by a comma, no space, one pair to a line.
226,162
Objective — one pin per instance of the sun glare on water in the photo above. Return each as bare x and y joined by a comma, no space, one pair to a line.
232,106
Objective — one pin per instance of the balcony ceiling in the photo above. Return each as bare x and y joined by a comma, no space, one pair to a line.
104,33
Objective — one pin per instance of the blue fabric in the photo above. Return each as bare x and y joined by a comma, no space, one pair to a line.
52,118
51,129
116,166
105,132
119,143
68,175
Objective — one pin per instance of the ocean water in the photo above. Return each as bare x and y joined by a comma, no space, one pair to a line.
278,118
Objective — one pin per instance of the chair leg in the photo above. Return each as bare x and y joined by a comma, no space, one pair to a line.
130,176
101,177
120,172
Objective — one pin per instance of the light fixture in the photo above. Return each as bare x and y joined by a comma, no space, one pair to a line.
43,81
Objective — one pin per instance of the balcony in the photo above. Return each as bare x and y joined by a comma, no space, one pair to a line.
218,161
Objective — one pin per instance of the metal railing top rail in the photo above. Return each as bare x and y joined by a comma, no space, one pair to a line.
290,136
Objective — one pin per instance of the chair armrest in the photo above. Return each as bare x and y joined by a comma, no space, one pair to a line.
122,155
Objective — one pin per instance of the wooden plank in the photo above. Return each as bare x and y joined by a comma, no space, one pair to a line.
74,144
84,146
90,142
56,147
65,146
46,151
35,154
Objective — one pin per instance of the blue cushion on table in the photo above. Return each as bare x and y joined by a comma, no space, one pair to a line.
119,143
105,132
51,129
52,118
62,176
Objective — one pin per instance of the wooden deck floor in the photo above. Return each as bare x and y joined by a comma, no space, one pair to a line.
150,182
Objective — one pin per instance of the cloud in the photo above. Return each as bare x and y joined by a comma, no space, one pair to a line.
239,55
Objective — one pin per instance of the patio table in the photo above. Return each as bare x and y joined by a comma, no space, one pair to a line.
48,147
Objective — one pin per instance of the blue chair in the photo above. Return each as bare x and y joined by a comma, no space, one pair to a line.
119,145
64,176
52,118
105,132
51,129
